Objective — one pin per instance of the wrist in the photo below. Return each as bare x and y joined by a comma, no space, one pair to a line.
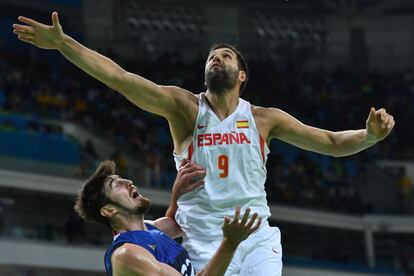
62,42
370,137
229,245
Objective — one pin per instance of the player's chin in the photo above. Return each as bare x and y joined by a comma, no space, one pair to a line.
145,202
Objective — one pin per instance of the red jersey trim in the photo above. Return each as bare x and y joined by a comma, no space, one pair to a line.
262,144
190,151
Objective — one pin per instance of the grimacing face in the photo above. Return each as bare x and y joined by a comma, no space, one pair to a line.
125,197
221,70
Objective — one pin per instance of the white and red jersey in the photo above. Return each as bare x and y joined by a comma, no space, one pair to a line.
234,156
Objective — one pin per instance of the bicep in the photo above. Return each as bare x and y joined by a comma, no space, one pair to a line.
130,259
290,130
161,100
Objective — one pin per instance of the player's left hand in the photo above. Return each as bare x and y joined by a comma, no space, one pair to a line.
379,124
190,176
237,230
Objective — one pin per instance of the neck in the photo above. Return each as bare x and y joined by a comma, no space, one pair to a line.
223,104
130,223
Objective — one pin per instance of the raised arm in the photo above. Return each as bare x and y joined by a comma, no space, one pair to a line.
234,232
166,101
341,143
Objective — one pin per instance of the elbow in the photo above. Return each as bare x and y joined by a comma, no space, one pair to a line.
117,79
335,148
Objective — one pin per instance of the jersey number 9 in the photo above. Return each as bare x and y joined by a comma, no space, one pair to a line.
223,165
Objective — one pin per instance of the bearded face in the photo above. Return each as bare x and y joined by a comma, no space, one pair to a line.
145,205
140,208
220,78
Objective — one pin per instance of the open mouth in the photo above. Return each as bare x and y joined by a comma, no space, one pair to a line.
135,193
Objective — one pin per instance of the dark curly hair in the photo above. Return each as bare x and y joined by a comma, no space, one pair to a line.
241,62
92,196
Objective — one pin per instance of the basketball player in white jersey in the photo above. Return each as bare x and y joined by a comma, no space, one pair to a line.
221,132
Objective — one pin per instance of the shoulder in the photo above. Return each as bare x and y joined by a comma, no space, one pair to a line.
185,102
269,120
130,254
131,259
261,111
180,93
269,116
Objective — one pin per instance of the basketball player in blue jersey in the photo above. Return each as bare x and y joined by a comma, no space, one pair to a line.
147,247
221,132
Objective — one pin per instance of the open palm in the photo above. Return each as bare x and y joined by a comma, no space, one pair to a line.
237,230
38,34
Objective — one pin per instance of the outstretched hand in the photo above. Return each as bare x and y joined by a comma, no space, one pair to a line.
190,176
38,34
235,231
379,123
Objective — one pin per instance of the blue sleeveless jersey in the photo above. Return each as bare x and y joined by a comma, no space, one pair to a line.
162,247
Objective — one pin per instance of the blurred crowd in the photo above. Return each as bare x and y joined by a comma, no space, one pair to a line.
334,100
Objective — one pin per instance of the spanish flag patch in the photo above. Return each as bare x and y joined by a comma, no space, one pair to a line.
242,124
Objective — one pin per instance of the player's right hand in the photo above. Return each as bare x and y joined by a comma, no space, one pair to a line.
235,231
38,34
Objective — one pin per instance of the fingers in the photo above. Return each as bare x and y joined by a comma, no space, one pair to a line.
185,162
371,114
381,113
55,19
245,216
251,221
23,29
226,222
386,120
197,176
26,38
237,214
391,123
382,118
193,171
254,228
194,186
188,164
30,22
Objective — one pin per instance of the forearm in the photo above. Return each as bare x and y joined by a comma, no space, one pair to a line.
93,63
140,91
172,209
351,141
218,264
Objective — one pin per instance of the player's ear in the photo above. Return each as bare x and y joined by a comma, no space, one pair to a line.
108,211
242,76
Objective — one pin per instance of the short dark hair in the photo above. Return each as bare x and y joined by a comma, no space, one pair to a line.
92,196
241,62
